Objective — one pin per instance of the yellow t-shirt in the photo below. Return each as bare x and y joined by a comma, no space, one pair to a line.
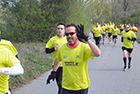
75,66
8,45
110,28
128,43
107,26
121,26
115,31
53,43
93,27
97,31
103,29
7,59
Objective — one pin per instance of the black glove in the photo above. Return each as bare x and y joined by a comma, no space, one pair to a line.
81,34
129,39
51,76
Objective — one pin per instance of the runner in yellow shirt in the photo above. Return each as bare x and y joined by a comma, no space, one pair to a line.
115,31
121,28
9,65
107,26
74,56
104,28
97,34
52,46
128,37
110,32
134,28
93,27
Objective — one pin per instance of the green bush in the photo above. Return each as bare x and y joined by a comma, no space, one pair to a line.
138,40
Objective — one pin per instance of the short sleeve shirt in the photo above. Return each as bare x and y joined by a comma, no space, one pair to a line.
116,31
97,31
53,43
103,29
75,66
121,26
128,43
110,28
7,59
8,45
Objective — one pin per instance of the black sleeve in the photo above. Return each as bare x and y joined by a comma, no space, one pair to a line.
121,39
129,39
17,56
133,39
49,50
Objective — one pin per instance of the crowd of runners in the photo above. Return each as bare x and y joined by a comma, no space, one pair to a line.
70,55
69,66
127,32
109,30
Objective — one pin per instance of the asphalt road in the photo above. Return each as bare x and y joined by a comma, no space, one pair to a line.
105,72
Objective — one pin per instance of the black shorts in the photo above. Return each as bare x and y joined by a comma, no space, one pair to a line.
103,34
128,49
83,91
109,34
114,36
97,40
121,30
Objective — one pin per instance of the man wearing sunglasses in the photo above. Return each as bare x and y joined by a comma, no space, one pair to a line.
74,56
127,46
52,46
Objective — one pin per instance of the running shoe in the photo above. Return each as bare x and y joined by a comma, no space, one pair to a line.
129,66
110,42
124,69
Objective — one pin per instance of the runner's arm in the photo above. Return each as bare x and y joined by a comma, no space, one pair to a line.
56,65
17,69
95,50
49,50
133,39
17,55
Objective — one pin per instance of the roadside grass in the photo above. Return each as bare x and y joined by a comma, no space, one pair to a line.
138,37
34,61
138,40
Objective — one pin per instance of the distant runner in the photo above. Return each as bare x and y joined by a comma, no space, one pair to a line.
127,47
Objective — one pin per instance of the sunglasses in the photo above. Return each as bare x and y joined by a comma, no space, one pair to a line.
71,33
